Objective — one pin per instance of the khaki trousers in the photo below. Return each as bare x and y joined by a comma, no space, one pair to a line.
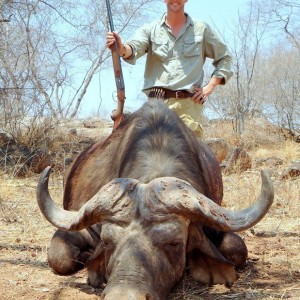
189,112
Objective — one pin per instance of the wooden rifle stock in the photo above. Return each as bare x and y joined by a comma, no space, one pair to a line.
117,114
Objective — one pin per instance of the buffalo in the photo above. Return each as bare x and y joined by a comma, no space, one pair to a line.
143,206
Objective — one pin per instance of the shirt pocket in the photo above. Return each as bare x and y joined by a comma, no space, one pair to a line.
192,46
160,47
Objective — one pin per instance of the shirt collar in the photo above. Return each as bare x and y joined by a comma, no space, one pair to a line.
189,20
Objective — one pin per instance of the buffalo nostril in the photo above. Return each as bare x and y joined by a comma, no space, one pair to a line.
148,297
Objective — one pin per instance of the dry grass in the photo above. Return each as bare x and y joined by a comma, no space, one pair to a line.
288,151
272,271
258,133
291,151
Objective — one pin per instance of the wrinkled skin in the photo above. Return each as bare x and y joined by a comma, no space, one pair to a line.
143,255
141,250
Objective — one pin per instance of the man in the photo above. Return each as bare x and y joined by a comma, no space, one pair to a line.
176,48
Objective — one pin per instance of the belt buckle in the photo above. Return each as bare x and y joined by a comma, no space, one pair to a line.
177,93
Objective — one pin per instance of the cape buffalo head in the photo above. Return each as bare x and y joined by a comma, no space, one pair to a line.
151,232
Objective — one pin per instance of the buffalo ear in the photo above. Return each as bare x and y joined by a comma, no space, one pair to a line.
234,249
96,267
96,277
206,263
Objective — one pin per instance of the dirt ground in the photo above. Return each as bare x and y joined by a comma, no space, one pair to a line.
272,270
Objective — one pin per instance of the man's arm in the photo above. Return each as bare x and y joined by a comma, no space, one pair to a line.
202,93
135,48
215,49
124,50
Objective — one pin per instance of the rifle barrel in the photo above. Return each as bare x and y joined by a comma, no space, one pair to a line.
109,14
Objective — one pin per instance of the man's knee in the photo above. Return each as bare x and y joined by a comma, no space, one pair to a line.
199,133
194,126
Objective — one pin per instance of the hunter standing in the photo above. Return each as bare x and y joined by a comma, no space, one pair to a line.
176,48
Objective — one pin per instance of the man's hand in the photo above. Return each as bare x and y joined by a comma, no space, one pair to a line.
201,94
111,38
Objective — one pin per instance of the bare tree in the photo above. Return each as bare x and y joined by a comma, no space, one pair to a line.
281,86
51,50
266,60
285,15
282,61
238,98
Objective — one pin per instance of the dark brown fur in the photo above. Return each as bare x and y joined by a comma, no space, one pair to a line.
128,152
150,143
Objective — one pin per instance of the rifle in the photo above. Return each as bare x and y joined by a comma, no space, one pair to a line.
117,114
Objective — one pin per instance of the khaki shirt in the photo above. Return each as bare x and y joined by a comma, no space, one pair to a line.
177,63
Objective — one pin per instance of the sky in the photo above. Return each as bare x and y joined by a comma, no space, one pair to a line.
99,97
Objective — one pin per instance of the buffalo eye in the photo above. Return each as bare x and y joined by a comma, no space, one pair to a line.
173,251
173,247
175,244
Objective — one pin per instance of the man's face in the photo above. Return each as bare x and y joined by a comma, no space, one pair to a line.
175,5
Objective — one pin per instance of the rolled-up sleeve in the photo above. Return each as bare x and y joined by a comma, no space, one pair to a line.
215,49
139,44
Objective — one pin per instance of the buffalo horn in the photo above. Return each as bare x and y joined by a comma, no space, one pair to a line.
178,196
109,203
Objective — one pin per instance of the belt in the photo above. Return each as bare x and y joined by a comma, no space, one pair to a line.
162,93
